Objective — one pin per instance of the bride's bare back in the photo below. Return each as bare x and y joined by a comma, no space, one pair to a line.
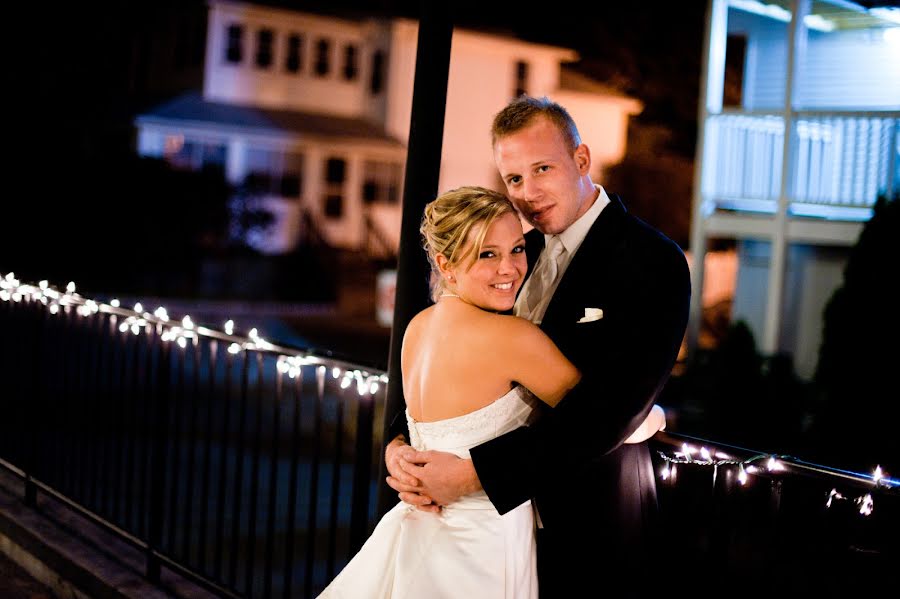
458,358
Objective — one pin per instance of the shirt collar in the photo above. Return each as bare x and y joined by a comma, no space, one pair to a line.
572,237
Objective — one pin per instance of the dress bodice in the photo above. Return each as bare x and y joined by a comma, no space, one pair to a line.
459,434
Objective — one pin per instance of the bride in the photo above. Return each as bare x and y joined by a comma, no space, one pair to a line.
470,373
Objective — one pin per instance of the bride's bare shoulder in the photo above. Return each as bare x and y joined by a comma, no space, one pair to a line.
418,322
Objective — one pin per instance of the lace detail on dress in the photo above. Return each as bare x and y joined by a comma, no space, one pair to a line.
459,433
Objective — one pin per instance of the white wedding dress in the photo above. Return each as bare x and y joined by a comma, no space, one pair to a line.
468,551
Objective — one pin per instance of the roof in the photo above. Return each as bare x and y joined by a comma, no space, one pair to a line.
192,108
570,79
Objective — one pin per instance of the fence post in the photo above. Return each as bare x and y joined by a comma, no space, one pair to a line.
158,458
32,413
362,466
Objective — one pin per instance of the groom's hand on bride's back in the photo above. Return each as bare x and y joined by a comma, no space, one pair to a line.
397,456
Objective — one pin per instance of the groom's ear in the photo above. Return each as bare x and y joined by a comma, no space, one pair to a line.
582,158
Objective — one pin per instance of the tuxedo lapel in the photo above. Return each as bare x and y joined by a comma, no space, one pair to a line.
587,263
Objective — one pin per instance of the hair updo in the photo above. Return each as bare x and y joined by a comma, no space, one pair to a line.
448,221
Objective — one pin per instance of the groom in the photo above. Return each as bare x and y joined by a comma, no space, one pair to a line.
614,298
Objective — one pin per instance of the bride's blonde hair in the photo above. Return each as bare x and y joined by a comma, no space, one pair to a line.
450,218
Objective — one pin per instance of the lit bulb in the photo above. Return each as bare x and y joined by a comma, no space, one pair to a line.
345,382
742,475
114,303
878,475
373,387
229,327
335,372
704,453
123,327
253,333
234,348
139,308
43,285
866,505
187,323
70,288
54,308
665,472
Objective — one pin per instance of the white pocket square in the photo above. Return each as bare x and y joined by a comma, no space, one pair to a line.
591,314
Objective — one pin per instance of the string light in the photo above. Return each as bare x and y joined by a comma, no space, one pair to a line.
774,464
138,321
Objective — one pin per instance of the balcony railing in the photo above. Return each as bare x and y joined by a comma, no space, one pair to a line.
252,468
841,162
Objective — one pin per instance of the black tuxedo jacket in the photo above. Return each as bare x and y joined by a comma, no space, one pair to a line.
587,485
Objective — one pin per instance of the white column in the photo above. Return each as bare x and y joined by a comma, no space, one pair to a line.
712,81
236,161
778,261
353,204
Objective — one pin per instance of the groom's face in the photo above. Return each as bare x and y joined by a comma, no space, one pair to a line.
543,176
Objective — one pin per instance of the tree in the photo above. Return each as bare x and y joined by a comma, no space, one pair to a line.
858,410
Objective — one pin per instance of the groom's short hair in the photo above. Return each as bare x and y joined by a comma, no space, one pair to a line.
520,113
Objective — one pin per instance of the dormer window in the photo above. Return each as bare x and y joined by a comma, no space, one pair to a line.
376,83
234,51
323,48
294,59
264,38
350,66
521,78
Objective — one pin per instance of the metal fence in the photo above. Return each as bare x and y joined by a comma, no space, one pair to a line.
247,466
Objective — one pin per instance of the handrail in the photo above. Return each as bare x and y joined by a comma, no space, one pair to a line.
709,454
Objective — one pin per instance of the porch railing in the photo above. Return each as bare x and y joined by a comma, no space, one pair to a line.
252,468
841,162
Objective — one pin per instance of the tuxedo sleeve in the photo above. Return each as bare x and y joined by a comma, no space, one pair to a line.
622,370
398,426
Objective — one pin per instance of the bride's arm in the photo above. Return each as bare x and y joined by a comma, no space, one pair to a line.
534,361
653,423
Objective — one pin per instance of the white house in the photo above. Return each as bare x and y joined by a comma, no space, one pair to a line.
315,111
828,74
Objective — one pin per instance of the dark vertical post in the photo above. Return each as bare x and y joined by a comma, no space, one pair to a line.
362,471
223,466
311,527
423,165
254,477
292,489
273,483
158,458
209,396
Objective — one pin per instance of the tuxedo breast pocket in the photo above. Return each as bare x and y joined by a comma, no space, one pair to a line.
591,315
